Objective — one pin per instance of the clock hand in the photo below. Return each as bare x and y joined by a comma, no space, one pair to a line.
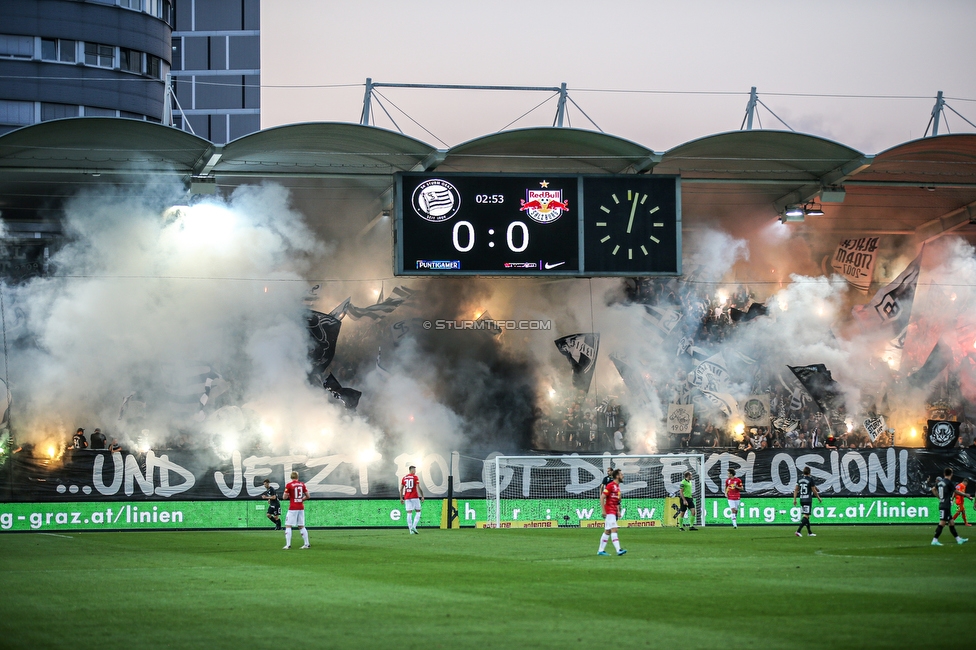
633,209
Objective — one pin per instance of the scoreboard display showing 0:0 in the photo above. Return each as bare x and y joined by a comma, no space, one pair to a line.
466,224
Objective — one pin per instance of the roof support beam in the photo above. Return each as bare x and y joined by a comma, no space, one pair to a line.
806,193
205,163
432,161
947,223
645,165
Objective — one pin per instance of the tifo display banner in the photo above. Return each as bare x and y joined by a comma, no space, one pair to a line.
174,515
680,418
188,476
854,259
855,472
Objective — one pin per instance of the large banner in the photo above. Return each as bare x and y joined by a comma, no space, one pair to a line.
84,475
189,476
854,259
780,510
174,515
386,513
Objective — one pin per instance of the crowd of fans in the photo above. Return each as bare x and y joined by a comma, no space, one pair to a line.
707,321
98,441
568,426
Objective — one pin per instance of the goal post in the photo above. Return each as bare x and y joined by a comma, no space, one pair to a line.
564,490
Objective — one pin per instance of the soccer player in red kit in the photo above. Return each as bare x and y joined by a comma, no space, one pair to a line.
961,501
411,496
610,502
733,488
296,493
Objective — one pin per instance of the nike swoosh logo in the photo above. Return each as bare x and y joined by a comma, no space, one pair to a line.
552,266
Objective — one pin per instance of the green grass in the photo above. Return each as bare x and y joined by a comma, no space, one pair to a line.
757,587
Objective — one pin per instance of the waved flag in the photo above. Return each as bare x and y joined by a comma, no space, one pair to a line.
817,380
891,306
581,351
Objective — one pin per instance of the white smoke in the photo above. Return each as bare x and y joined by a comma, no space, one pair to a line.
140,299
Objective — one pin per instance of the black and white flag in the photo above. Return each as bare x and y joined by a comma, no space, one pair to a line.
398,296
938,360
324,330
816,379
712,378
348,396
633,380
875,427
581,350
891,307
662,319
755,310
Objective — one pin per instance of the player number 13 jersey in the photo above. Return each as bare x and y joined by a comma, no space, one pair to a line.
296,492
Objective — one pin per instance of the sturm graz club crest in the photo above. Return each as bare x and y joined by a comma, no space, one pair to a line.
436,200
544,205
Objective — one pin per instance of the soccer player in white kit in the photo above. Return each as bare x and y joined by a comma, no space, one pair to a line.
411,496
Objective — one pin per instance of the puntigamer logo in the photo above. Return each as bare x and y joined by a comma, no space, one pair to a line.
436,200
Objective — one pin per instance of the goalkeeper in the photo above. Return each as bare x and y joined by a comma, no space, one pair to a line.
687,496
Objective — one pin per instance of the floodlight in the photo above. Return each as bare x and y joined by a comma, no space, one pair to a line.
813,210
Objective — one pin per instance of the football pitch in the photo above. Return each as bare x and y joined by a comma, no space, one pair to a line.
758,587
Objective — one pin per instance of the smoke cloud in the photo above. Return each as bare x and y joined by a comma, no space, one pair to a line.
187,327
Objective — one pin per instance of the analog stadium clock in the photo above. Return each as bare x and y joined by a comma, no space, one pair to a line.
632,225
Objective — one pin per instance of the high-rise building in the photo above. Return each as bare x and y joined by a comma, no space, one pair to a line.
70,58
217,67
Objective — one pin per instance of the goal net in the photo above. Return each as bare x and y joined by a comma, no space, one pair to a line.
548,491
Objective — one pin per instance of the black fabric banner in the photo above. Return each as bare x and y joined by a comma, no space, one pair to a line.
85,475
941,434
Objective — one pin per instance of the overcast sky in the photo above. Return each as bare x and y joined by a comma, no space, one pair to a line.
674,61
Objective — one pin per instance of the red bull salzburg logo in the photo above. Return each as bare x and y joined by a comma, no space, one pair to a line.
544,205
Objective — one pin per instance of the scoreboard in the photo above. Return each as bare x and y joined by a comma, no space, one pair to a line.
537,224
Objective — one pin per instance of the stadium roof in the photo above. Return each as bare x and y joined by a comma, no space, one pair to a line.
923,188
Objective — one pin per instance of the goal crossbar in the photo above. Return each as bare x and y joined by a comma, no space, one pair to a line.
565,489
